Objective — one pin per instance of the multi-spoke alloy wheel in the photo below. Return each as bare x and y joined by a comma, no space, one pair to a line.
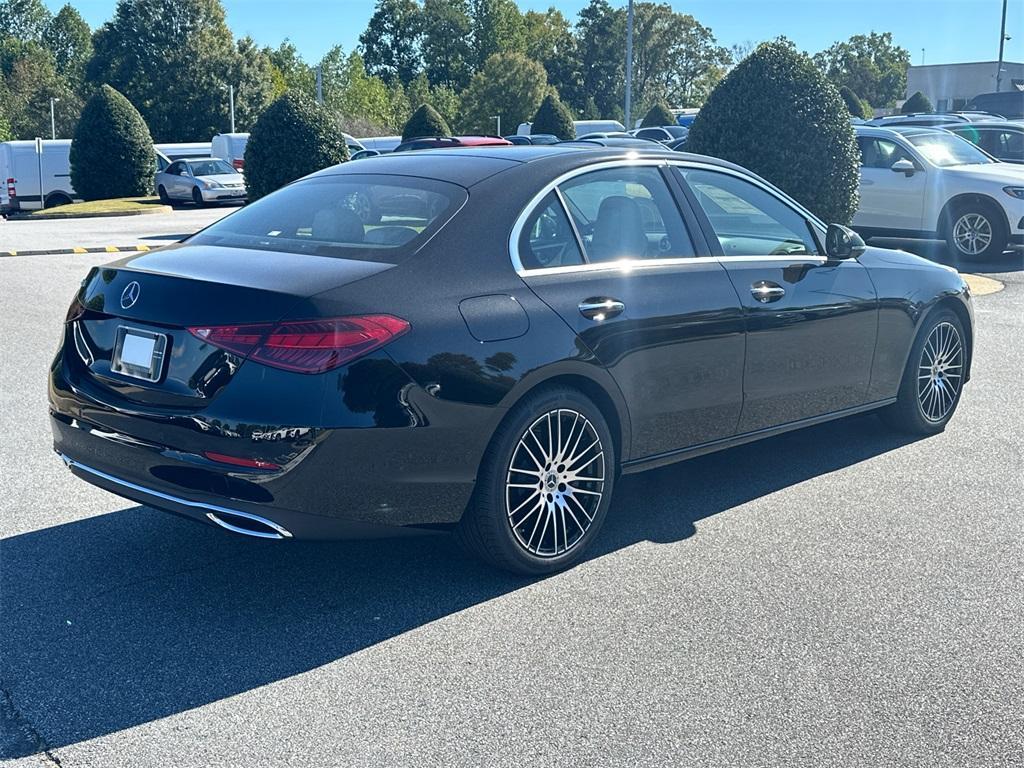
972,233
545,485
555,482
940,372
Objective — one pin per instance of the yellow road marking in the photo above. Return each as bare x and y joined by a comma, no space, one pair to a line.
981,286
111,249
80,250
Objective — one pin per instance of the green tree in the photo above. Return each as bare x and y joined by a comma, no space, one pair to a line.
29,81
554,117
917,103
23,19
425,121
853,102
252,74
112,152
601,35
550,41
658,115
391,41
672,53
447,49
870,65
290,71
510,85
778,116
443,98
297,122
69,39
5,125
353,95
497,28
172,59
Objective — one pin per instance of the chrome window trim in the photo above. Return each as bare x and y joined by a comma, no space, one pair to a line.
815,224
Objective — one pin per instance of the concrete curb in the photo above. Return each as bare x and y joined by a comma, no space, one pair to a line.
69,251
982,286
98,215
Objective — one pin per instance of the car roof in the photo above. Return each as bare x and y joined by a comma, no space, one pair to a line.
197,159
899,130
469,168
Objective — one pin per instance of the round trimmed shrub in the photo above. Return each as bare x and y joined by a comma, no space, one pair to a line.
853,103
657,116
292,138
425,121
778,116
916,103
554,118
112,151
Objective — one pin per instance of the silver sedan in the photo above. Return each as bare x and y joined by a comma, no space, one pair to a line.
200,180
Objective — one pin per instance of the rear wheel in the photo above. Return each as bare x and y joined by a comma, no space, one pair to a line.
933,379
975,231
544,486
57,198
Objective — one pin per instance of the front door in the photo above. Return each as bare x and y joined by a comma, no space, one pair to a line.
624,271
889,199
811,323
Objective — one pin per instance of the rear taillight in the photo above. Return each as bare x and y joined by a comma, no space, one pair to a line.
238,163
11,191
306,346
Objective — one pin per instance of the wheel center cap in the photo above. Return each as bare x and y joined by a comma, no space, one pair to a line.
551,481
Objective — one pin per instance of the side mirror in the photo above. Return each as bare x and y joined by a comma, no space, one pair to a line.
904,166
842,243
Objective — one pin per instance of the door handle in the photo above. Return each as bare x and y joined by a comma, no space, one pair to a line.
601,308
765,291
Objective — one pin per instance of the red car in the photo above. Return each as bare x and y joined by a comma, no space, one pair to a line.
449,142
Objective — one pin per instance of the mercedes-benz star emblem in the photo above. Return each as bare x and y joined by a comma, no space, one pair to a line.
130,295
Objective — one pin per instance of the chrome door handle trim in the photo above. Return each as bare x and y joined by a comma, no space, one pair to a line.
765,291
601,308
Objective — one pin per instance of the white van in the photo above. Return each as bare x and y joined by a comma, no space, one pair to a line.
230,147
582,127
179,150
19,174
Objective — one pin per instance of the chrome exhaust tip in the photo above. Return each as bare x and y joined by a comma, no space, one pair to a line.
248,524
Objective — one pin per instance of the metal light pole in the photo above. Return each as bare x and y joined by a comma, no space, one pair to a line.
629,66
1002,40
231,101
319,84
53,121
498,118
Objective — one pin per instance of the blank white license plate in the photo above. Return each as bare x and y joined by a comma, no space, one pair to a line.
138,353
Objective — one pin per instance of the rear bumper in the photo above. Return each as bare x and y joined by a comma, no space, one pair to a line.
338,482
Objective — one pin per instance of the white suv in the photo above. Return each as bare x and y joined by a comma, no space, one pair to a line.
924,182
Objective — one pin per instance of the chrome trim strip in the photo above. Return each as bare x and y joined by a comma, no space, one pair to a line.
282,533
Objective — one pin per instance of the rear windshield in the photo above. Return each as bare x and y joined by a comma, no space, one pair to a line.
346,216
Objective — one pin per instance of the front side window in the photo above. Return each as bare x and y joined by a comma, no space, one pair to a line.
880,153
626,213
347,216
174,169
748,220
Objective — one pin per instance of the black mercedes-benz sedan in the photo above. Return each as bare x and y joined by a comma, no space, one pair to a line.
484,341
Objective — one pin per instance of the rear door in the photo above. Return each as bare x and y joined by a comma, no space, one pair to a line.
811,323
612,253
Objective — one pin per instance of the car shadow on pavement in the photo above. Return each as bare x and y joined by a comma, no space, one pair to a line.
124,618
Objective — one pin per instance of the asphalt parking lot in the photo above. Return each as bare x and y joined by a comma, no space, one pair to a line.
836,596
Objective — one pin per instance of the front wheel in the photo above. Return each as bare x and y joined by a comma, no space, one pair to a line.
976,232
933,379
162,194
197,197
544,487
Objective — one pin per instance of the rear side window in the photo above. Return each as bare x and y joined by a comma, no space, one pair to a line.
346,216
626,213
547,240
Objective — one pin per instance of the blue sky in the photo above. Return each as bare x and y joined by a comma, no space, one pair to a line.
948,30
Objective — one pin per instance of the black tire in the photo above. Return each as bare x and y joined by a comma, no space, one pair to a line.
162,194
487,529
57,199
197,198
913,412
982,218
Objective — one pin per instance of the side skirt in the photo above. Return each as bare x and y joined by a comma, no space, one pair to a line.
670,457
